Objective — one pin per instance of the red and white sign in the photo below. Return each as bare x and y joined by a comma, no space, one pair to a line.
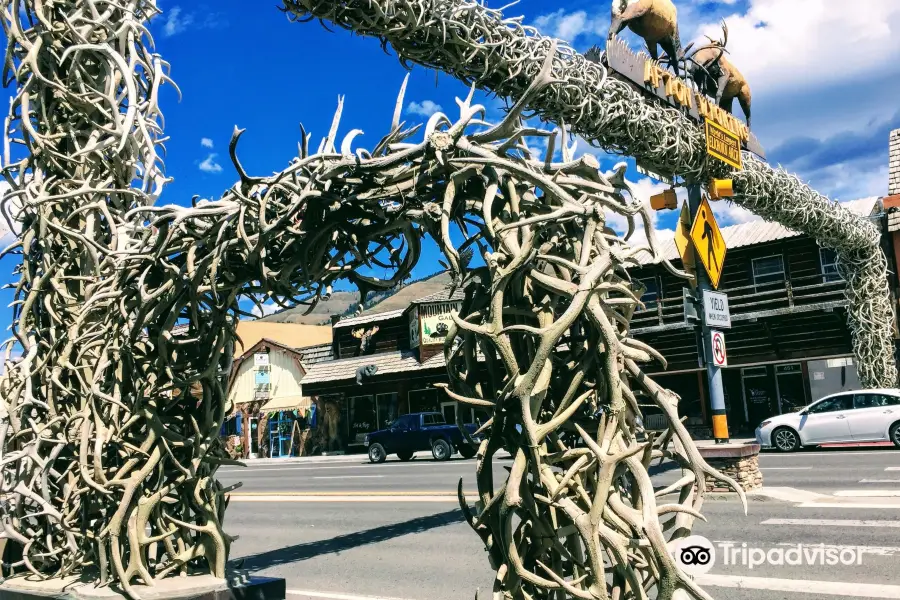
719,354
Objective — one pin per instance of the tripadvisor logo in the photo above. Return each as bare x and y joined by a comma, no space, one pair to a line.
697,555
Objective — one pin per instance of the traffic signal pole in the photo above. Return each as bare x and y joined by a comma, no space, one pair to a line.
713,373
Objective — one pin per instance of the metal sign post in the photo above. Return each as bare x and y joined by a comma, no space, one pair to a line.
713,372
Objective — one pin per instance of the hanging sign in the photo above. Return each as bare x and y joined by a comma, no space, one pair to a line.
723,145
261,359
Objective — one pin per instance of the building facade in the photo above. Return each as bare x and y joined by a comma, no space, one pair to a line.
788,343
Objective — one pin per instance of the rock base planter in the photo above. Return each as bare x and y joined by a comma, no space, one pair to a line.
738,461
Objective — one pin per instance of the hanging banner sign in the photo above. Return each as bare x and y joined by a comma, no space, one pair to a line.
723,145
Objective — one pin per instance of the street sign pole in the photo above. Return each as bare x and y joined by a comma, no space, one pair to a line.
713,373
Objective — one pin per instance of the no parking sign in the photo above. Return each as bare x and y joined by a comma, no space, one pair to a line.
719,353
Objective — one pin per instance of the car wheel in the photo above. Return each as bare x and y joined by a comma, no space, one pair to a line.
405,456
440,450
377,453
785,439
467,451
895,434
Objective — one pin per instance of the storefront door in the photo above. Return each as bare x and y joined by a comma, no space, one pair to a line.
790,387
253,434
759,395
362,418
449,410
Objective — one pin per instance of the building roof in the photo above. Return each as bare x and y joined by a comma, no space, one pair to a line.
370,318
341,302
758,232
316,354
398,361
445,295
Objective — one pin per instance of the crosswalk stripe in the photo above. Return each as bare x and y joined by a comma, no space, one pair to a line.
844,505
868,493
832,523
801,586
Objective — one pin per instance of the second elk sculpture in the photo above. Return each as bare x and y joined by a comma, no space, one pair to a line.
716,76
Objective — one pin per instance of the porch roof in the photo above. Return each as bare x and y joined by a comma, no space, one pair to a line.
399,361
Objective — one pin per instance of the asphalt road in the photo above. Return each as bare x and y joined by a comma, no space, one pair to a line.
413,550
823,471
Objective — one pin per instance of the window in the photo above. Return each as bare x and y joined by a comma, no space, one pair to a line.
834,404
875,400
768,270
828,258
386,408
433,419
650,295
362,418
405,423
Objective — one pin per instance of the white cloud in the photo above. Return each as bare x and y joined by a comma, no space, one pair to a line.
209,165
267,309
176,22
206,142
642,189
812,43
426,108
568,26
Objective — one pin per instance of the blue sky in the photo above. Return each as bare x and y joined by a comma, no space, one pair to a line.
825,82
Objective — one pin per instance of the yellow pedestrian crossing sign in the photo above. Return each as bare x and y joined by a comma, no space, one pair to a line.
708,242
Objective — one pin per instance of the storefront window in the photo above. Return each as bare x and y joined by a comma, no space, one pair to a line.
386,409
362,418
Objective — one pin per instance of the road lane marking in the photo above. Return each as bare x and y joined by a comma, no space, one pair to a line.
353,498
832,453
785,468
868,493
801,586
255,470
879,480
845,505
892,469
349,477
335,596
832,522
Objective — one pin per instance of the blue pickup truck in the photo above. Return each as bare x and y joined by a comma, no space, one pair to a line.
420,431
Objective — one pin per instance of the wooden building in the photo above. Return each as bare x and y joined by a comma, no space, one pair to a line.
385,365
789,343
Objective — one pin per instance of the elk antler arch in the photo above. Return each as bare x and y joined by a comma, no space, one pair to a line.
123,306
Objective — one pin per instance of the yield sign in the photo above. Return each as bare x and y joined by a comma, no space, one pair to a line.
709,242
719,354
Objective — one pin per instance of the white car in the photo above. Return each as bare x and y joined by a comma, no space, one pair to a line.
863,416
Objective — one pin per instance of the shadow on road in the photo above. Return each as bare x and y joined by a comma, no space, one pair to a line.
299,552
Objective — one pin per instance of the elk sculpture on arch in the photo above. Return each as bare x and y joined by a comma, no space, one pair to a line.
716,76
